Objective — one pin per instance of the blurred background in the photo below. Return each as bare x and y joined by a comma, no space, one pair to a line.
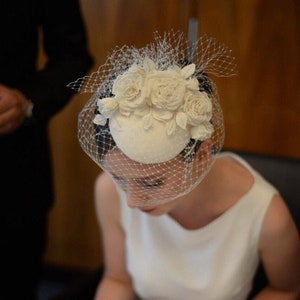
261,105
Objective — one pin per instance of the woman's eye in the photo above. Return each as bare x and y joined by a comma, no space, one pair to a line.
152,183
119,180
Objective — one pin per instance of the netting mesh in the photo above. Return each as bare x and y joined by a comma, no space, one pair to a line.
135,143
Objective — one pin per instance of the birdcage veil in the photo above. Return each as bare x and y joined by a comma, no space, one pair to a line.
154,120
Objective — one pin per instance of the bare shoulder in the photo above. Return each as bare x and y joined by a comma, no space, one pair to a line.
106,197
108,214
104,184
278,220
280,247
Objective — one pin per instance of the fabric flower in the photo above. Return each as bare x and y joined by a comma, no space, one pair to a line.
99,120
129,90
193,84
167,89
202,132
169,96
198,107
107,106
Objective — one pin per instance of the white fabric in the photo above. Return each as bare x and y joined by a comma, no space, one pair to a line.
216,262
154,145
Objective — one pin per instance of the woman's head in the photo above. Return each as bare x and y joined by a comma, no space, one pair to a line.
148,185
157,112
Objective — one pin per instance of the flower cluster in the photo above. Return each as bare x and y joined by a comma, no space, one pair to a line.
171,96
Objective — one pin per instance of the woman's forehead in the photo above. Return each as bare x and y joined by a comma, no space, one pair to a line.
120,165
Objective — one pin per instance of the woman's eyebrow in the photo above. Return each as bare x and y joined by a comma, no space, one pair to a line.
142,178
151,178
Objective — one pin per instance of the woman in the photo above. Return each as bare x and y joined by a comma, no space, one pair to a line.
179,220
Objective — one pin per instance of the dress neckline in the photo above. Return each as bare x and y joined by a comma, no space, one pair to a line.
208,227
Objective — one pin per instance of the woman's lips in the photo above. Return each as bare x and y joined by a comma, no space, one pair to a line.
147,210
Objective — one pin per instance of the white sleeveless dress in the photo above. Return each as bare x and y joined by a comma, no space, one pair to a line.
216,262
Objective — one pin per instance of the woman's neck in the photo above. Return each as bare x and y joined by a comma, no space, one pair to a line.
222,187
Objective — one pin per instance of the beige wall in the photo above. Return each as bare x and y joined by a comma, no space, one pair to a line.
261,105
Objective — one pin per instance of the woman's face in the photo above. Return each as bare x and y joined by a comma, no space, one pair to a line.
151,185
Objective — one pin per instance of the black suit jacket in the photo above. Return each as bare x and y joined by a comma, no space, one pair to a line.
25,163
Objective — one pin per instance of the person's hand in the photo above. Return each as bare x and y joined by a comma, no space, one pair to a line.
14,108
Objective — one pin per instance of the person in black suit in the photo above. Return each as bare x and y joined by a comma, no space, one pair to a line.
28,99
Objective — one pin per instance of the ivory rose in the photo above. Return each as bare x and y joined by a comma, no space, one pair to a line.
169,96
128,89
198,107
167,89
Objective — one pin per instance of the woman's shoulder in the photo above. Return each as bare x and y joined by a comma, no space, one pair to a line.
278,220
279,247
106,196
104,183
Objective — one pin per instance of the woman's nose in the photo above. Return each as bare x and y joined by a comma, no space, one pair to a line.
135,197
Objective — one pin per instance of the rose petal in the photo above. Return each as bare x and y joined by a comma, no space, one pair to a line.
148,64
202,132
107,106
147,121
142,111
99,120
193,84
170,127
162,114
181,120
110,103
188,70
124,112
